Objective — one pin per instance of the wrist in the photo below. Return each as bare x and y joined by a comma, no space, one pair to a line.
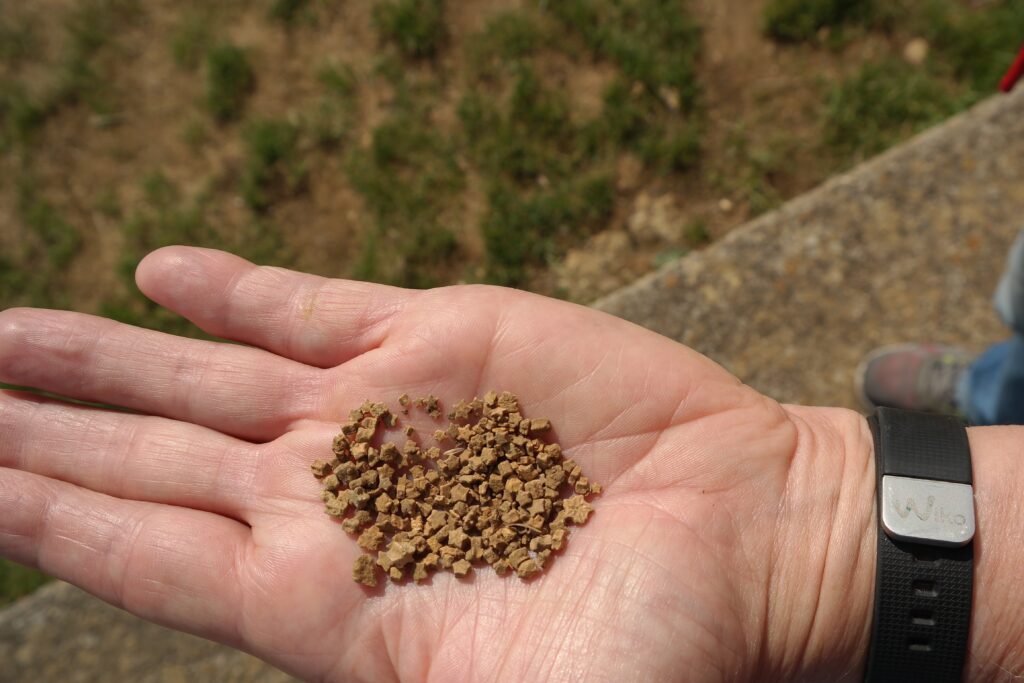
825,588
997,625
837,643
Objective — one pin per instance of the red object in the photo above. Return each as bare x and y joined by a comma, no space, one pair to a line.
1014,74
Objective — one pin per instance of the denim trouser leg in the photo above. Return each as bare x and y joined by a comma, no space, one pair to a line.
1009,296
992,389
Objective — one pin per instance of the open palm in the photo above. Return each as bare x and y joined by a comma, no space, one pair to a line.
198,510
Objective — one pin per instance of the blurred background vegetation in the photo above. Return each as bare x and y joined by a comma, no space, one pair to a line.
562,146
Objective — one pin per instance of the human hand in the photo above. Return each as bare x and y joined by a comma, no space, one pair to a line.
730,537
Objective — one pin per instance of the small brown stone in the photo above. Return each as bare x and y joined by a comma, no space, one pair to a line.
496,497
527,568
577,509
371,538
364,571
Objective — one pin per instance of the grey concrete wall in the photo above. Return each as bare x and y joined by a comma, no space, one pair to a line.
906,247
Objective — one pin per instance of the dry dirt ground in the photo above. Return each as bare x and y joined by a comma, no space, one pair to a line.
761,110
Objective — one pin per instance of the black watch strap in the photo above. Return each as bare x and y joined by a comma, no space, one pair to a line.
925,563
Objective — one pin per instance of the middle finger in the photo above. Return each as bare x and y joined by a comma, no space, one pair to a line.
234,389
134,457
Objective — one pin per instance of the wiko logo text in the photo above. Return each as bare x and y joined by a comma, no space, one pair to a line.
938,515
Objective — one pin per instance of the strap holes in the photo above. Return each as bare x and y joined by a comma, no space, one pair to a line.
925,589
922,617
919,645
925,555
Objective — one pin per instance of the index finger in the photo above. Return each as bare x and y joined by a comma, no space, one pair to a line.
314,320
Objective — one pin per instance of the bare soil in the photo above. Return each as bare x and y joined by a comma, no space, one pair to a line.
761,101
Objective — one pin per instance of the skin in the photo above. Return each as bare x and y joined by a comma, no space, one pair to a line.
734,540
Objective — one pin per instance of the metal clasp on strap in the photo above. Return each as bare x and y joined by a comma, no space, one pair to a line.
927,511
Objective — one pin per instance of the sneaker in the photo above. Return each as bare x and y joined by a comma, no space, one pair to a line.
912,376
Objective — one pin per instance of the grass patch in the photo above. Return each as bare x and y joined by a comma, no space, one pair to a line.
192,39
58,241
338,80
529,135
415,27
794,21
19,40
697,234
547,171
751,167
194,134
406,175
333,115
33,274
635,120
17,581
167,217
653,42
272,169
883,102
90,27
507,37
539,166
977,43
80,77
523,229
21,116
230,81
288,12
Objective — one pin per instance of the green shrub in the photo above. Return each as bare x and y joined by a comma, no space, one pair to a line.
415,27
229,82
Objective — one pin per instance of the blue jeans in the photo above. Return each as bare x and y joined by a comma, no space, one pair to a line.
991,391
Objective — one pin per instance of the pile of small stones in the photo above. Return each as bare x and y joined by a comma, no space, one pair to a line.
499,494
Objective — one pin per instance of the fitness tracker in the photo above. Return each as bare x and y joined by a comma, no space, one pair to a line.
925,562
